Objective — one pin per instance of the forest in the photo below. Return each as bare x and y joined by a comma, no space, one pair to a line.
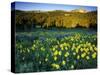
28,20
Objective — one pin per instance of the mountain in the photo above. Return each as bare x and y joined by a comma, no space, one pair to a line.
79,10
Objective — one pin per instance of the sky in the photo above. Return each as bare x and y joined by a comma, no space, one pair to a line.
28,6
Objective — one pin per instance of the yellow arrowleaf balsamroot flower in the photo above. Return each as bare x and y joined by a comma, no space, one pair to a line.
91,48
87,57
60,53
72,39
77,50
34,45
72,66
62,48
63,62
94,55
42,49
65,44
74,53
56,46
55,58
93,45
55,66
66,54
78,46
61,45
33,48
78,57
95,48
83,55
53,49
56,52
89,44
66,48
73,47
86,50
81,49
46,59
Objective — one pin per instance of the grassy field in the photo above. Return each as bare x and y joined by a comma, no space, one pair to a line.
56,49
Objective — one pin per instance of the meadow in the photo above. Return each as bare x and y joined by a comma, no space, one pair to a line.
56,49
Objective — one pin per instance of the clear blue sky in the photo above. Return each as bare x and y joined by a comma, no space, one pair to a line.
28,6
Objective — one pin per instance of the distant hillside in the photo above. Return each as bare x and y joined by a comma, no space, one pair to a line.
56,18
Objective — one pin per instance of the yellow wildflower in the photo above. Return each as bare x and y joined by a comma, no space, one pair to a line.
63,62
87,57
66,48
72,66
61,45
66,54
62,48
33,48
72,39
55,58
55,66
56,52
74,53
53,49
65,44
81,49
78,46
56,46
91,48
60,52
78,57
94,55
83,55
73,47
77,50
42,49
46,59
95,48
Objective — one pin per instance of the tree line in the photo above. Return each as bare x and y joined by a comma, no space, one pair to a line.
33,19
